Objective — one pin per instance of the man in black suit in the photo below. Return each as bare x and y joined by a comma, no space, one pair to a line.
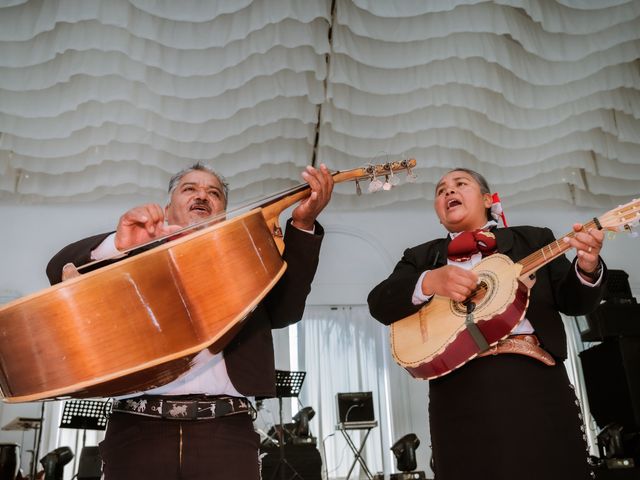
147,437
500,416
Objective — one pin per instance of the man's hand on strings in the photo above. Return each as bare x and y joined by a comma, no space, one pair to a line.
141,225
321,183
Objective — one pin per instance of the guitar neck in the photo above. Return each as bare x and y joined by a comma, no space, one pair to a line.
546,254
271,206
277,203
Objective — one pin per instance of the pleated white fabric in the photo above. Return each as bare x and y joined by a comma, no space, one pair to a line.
106,98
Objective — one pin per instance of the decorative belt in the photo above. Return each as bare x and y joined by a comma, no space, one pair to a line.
183,408
528,345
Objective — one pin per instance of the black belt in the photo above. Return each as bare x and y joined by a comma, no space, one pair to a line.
183,408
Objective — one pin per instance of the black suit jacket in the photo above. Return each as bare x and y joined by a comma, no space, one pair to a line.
557,287
249,356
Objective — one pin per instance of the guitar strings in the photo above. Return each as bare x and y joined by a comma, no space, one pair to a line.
251,205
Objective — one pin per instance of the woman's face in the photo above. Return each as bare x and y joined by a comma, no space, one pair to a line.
460,203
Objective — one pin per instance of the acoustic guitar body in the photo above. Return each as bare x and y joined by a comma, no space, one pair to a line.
435,341
139,322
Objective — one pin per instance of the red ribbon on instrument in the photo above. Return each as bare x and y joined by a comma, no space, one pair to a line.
466,244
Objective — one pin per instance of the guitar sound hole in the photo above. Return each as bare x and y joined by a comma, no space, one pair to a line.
480,293
483,294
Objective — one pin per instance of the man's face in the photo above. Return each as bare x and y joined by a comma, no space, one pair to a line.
198,195
459,203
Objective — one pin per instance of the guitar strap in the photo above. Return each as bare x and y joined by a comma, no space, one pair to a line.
473,329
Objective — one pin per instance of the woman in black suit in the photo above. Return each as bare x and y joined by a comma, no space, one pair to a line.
501,416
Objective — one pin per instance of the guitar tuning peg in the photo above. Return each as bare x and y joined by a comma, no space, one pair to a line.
358,188
394,180
632,233
387,186
411,177
375,185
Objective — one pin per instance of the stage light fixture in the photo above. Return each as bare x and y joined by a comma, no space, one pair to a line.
405,452
54,462
301,422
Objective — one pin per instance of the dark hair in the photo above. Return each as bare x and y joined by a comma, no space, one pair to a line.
173,182
480,180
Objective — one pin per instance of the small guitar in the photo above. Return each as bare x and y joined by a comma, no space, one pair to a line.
436,340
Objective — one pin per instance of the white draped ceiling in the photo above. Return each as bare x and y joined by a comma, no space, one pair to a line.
101,98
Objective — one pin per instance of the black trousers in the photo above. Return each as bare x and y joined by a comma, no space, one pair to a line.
143,448
507,417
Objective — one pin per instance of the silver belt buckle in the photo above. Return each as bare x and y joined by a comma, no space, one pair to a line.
177,410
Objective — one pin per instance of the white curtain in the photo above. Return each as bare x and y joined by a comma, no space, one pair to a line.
576,375
343,349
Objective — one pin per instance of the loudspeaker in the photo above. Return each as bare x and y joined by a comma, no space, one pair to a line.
9,460
90,466
304,459
612,319
419,475
618,289
617,474
612,377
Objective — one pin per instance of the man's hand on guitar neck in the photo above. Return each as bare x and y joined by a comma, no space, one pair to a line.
321,183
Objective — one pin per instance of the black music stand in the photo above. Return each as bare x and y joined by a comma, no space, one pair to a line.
288,384
85,415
